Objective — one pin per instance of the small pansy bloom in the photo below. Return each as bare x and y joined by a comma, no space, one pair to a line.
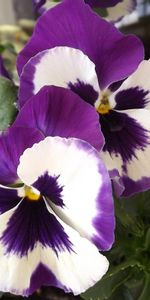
42,5
92,61
114,9
56,209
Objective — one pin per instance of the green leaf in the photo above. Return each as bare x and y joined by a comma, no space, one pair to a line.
105,288
145,295
101,11
2,48
147,239
8,95
122,293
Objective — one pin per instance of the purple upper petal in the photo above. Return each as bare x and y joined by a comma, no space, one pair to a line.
115,55
12,145
60,112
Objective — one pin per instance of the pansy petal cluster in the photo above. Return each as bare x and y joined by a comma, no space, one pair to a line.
53,210
83,120
92,62
114,10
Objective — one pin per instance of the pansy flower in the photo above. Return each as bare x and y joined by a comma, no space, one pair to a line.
92,61
56,206
112,10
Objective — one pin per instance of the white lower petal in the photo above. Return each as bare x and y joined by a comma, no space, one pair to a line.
76,270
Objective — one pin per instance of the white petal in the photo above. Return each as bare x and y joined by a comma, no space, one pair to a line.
139,79
75,270
58,66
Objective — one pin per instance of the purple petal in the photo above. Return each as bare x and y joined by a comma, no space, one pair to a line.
135,186
59,112
12,144
31,223
67,24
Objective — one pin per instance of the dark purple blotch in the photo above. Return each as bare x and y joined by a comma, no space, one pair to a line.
102,3
131,98
84,90
30,223
42,276
123,135
49,187
8,199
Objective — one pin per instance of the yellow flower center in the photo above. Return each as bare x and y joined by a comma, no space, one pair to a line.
31,194
104,106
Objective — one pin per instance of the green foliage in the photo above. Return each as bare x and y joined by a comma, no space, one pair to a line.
101,12
8,95
128,277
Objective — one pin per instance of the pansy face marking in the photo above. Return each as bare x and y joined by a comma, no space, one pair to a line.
103,107
57,216
31,194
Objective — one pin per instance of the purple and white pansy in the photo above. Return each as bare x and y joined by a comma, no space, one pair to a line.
80,58
115,9
54,213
